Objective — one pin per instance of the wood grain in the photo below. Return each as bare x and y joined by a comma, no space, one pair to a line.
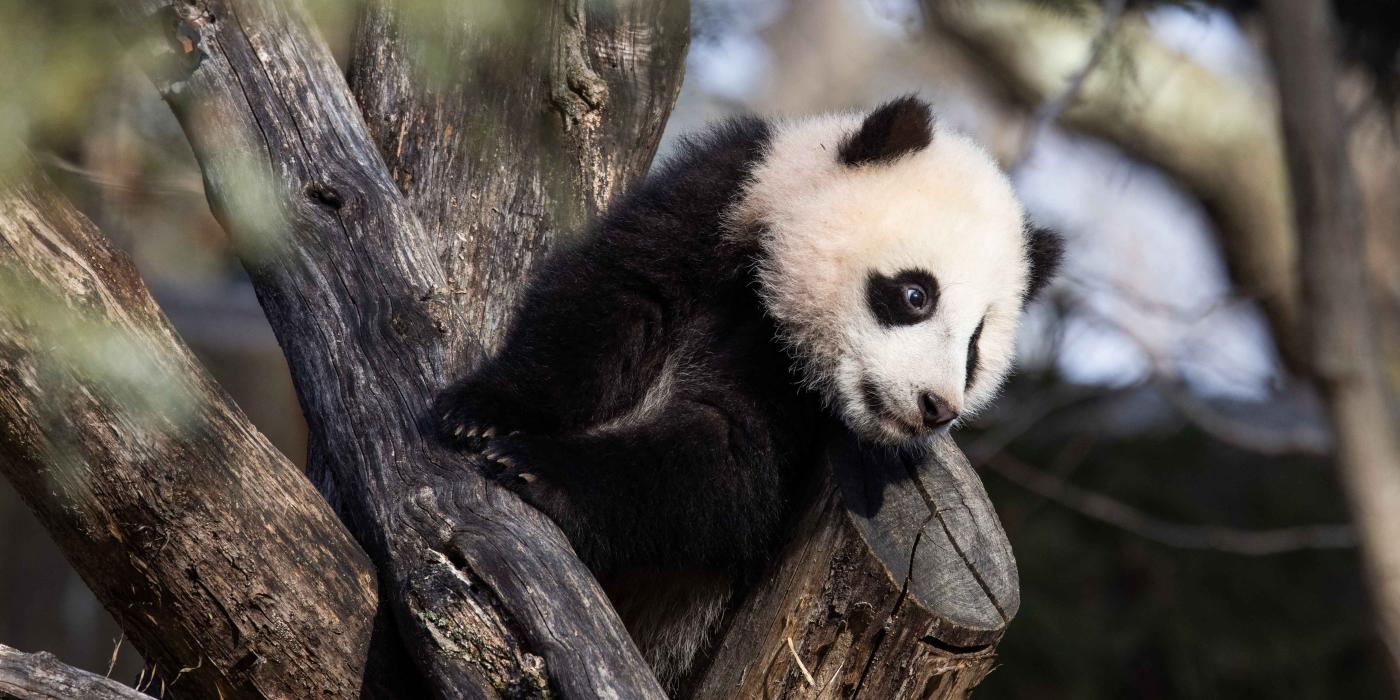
208,546
488,597
899,584
41,676
509,137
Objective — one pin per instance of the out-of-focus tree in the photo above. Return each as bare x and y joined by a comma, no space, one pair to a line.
1345,357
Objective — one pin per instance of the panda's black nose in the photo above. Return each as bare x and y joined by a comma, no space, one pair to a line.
937,412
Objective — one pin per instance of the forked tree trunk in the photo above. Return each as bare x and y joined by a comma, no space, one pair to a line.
387,258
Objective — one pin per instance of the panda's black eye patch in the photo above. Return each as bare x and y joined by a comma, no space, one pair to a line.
902,299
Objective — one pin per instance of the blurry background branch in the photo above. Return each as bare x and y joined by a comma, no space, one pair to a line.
1050,110
1213,135
1135,521
1344,355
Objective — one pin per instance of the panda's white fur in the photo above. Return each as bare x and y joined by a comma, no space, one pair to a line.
825,225
669,380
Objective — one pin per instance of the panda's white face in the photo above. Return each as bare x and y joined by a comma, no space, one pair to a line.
897,282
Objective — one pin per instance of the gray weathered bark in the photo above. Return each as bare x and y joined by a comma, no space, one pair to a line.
209,547
1345,358
899,584
476,158
487,594
377,310
42,677
505,138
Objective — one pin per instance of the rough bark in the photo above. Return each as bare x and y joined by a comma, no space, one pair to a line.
506,135
476,159
899,585
223,565
1215,136
1345,357
487,595
42,677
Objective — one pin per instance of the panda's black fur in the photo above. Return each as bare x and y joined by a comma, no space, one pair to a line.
641,398
654,288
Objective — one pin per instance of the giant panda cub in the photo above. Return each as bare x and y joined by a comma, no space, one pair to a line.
664,385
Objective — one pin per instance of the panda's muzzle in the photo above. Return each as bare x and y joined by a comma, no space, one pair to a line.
879,406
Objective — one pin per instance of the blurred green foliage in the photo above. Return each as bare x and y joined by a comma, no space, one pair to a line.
54,57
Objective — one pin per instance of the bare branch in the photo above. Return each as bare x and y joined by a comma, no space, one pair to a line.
1049,111
42,677
486,593
1211,133
1129,519
207,545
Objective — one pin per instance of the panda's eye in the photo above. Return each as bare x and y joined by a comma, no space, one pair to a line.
903,299
915,297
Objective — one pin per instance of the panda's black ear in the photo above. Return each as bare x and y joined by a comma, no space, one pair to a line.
895,129
1046,248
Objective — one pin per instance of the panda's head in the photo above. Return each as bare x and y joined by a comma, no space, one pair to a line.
896,260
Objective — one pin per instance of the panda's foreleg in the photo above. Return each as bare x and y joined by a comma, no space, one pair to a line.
693,484
567,356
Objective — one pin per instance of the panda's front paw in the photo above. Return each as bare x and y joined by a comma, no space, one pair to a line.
525,465
466,432
468,417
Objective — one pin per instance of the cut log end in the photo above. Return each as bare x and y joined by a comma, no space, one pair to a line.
899,583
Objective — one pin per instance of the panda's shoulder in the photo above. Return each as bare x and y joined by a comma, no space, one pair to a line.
699,180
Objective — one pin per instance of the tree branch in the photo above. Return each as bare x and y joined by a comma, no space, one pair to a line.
43,677
1344,356
487,594
206,544
1212,135
1181,536
899,583
506,137
1050,110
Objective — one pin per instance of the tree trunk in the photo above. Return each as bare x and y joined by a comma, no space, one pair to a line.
43,677
488,596
461,145
206,544
1345,355
506,138
387,259
899,584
